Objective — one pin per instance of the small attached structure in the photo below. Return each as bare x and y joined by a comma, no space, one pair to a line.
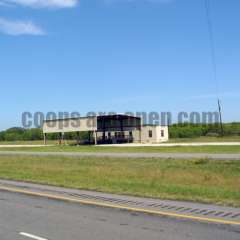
108,129
154,134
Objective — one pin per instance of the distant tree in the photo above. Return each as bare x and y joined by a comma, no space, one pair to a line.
33,134
2,136
196,130
14,134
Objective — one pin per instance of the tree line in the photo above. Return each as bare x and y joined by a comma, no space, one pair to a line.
187,130
175,131
33,134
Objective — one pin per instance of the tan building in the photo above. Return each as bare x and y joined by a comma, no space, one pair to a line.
154,134
108,129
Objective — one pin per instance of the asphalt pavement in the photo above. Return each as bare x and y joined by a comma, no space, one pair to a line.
25,217
210,156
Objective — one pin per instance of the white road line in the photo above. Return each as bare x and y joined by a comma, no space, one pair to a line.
31,236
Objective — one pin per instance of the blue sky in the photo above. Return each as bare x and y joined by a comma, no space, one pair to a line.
117,55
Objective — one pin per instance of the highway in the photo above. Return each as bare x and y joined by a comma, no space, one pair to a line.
211,156
27,217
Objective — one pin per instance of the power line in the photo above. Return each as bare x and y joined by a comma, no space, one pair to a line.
213,57
212,44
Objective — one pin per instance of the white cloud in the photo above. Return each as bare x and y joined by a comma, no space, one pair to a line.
42,3
16,28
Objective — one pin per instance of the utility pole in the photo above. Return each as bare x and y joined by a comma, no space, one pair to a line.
220,117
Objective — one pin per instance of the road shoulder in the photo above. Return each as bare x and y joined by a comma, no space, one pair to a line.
176,209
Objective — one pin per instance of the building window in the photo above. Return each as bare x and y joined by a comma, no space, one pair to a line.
162,133
150,134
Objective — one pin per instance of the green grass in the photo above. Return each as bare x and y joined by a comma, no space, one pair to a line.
35,142
172,140
205,139
180,149
177,149
192,180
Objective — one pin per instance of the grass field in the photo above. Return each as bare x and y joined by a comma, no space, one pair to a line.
172,140
176,149
38,142
205,139
192,180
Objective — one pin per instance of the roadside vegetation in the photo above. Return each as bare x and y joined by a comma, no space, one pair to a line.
199,180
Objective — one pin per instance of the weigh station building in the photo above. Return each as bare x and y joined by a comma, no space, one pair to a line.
107,129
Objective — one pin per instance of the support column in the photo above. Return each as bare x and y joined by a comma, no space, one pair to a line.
95,137
45,138
60,139
104,131
140,130
89,137
78,138
63,140
122,138
140,135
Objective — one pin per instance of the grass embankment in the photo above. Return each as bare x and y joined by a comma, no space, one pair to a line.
176,149
192,180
